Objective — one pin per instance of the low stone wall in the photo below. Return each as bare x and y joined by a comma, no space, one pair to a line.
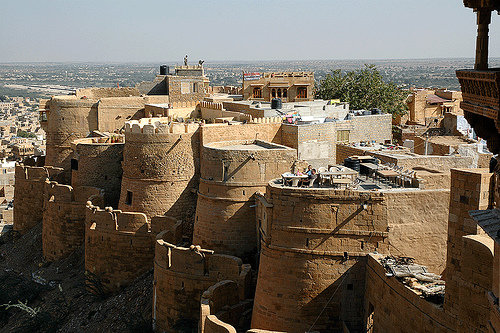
418,225
392,307
28,195
182,275
64,218
118,246
222,310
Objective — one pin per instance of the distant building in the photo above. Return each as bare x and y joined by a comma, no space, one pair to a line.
425,105
288,86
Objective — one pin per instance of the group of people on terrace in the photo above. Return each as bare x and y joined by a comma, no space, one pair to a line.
335,176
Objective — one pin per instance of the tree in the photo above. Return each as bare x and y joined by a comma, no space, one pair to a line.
24,134
363,89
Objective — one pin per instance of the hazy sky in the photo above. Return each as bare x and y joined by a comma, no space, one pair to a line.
163,30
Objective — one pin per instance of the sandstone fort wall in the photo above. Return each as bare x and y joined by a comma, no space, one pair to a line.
230,175
160,168
221,132
315,240
64,218
181,276
118,246
393,307
28,195
98,165
221,309
469,191
418,225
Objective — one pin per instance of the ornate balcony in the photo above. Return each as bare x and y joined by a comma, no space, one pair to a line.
480,91
492,4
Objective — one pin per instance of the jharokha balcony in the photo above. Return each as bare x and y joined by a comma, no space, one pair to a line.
481,85
480,91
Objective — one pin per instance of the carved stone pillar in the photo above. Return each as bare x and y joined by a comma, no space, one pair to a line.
483,22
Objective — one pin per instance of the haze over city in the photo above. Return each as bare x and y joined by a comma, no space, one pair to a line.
156,30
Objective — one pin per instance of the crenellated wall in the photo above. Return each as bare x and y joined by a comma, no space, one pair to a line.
118,246
98,163
181,276
64,218
231,172
160,168
75,116
28,194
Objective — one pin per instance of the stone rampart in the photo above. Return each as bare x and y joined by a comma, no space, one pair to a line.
313,254
160,168
182,275
221,309
118,246
475,282
470,190
69,118
74,117
28,194
97,163
221,132
393,307
64,218
418,225
231,172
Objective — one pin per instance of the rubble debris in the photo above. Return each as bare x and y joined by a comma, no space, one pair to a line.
415,277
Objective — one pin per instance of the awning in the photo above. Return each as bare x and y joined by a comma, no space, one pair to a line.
434,99
279,85
489,221
256,84
302,84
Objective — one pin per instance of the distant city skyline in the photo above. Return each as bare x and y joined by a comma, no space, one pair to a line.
223,30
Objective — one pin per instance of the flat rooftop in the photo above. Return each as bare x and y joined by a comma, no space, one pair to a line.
251,146
246,145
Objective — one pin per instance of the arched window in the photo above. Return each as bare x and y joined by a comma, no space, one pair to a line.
279,92
273,92
301,92
257,93
285,93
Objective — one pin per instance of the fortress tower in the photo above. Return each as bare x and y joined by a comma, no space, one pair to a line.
97,162
231,173
312,261
160,168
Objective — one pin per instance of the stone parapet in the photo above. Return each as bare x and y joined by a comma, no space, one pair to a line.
118,246
222,310
64,218
181,277
28,194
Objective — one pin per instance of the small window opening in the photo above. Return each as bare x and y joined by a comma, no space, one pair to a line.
74,164
128,199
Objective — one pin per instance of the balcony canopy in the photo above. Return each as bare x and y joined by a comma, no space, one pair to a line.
486,4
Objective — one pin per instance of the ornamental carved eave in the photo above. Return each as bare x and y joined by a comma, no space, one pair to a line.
477,4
